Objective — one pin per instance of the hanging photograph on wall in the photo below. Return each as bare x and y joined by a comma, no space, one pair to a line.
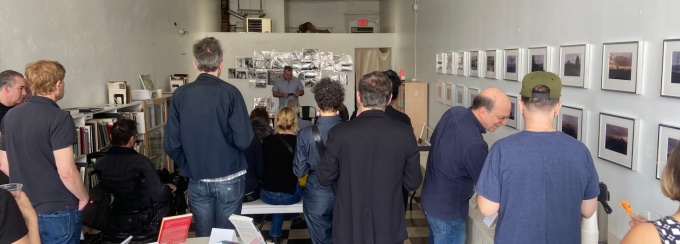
438,63
513,64
445,58
571,121
617,142
491,64
261,74
343,63
461,63
309,54
242,74
449,64
232,73
440,88
473,62
538,59
574,61
308,77
273,75
337,77
670,73
326,62
461,94
450,94
514,111
472,93
669,139
621,67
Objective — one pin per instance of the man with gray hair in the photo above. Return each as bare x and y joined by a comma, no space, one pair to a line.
12,93
368,160
207,132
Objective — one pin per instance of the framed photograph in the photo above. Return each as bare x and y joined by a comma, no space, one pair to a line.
491,64
621,63
440,91
538,59
450,89
514,112
574,61
445,58
461,96
438,63
669,139
472,93
462,63
450,67
474,63
513,64
617,140
670,73
571,121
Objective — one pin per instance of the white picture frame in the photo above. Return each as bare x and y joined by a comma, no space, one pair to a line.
513,118
538,58
471,94
571,121
438,63
616,57
444,57
575,65
669,138
670,71
461,94
473,63
617,140
449,93
462,63
451,61
491,64
512,64
440,92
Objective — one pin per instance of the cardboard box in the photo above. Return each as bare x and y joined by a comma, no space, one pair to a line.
119,92
177,80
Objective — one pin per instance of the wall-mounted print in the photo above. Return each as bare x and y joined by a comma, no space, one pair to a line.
461,96
491,64
444,57
472,93
450,88
571,121
617,140
538,59
670,73
621,63
438,63
462,63
450,65
669,139
474,63
440,91
273,76
574,61
514,112
513,63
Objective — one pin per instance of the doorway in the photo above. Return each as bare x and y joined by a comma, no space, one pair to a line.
367,60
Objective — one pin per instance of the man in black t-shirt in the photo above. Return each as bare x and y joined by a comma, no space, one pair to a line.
12,92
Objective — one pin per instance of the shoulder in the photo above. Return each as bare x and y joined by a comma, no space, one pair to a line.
642,233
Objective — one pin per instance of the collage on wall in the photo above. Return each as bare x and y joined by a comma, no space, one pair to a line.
309,65
621,72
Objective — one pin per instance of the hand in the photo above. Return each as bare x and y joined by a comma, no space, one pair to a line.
296,94
25,204
82,203
285,95
173,188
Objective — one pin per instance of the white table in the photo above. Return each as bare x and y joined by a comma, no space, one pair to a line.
259,207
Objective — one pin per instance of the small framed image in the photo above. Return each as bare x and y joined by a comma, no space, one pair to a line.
617,140
462,63
448,98
491,64
669,139
450,67
538,59
461,96
514,111
474,63
438,63
444,57
472,93
440,91
621,63
574,65
513,64
571,121
670,73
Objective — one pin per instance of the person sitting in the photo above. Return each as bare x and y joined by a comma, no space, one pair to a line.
123,163
261,112
295,106
254,158
280,186
18,220
659,231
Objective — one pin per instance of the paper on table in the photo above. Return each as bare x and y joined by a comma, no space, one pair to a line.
488,221
246,229
218,235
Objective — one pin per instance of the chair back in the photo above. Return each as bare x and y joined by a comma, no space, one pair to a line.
308,113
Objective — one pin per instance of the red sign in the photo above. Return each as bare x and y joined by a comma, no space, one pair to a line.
362,22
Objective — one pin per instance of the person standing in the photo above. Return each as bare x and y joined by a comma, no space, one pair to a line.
317,199
456,157
207,132
36,150
369,159
287,87
540,181
12,93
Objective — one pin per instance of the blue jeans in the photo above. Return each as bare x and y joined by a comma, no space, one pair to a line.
318,208
213,202
279,198
446,231
63,226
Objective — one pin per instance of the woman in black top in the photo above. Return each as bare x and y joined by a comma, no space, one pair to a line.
280,186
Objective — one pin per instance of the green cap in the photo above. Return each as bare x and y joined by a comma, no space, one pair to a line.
545,78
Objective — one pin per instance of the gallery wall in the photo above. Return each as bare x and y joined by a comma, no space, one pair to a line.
99,41
447,26
328,14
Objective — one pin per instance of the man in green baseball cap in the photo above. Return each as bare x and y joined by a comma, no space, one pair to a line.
540,181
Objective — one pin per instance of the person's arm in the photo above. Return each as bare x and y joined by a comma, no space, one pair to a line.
489,185
413,175
474,158
239,121
592,191
70,176
158,192
30,217
642,233
4,163
588,207
300,165
300,89
329,166
276,90
486,206
172,139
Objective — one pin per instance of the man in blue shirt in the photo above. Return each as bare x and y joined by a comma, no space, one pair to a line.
207,132
455,160
287,87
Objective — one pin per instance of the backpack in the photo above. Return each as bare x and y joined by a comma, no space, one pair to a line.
97,211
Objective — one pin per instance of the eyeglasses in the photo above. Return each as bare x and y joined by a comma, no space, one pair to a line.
502,118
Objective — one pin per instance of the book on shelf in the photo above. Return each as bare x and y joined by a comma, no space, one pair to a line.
245,228
174,229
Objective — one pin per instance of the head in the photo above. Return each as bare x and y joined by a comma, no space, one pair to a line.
208,55
123,133
46,78
293,104
492,108
670,178
286,121
13,87
541,91
260,127
328,95
259,112
375,90
396,81
287,73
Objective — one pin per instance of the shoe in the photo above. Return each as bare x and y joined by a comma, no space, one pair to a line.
296,222
276,240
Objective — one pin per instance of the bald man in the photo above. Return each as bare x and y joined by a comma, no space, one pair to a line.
455,161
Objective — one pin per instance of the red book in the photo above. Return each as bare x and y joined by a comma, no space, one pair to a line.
174,229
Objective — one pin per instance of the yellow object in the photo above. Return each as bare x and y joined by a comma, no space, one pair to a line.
626,206
303,180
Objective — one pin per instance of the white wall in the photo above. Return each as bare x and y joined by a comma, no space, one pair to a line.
458,25
397,16
99,40
243,45
326,14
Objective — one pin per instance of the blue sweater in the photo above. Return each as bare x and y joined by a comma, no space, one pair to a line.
208,129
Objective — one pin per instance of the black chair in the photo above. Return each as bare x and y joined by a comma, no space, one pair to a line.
308,113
